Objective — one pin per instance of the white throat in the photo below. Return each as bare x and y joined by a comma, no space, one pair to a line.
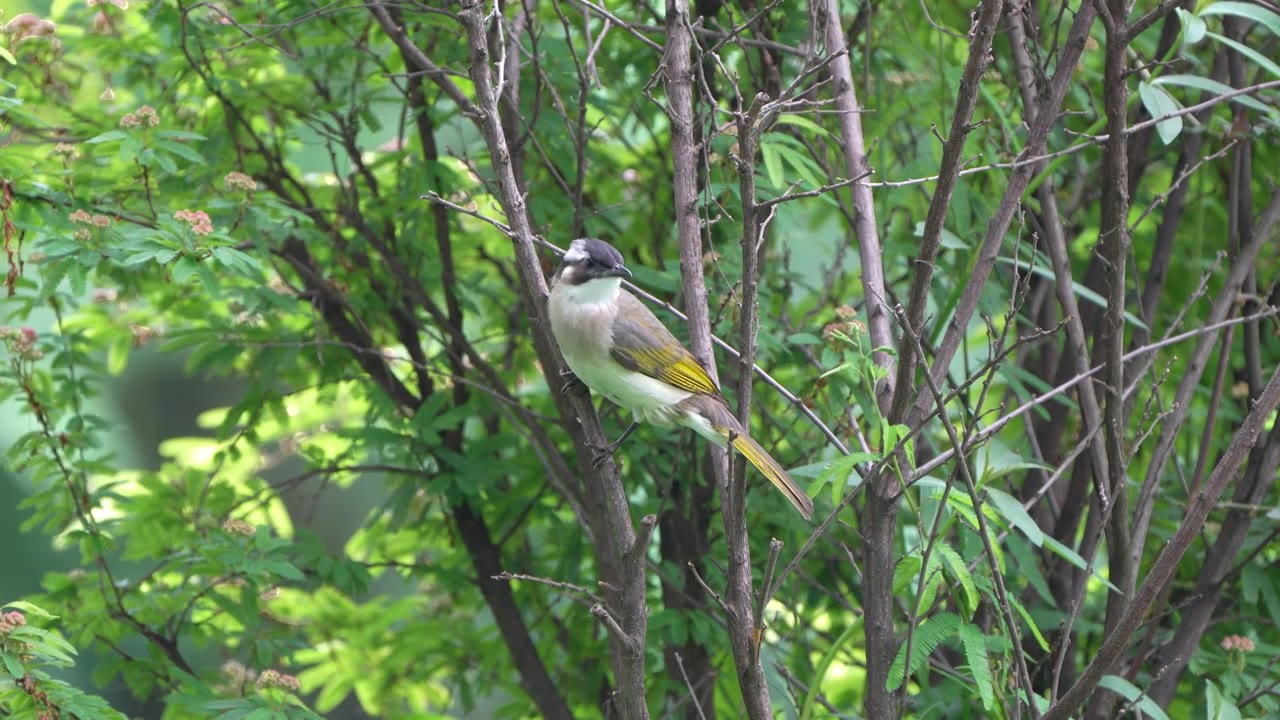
600,291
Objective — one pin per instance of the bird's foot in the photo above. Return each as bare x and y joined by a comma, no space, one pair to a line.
570,384
602,453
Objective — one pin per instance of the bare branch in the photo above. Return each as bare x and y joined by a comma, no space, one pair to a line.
1162,570
999,224
984,532
853,144
607,501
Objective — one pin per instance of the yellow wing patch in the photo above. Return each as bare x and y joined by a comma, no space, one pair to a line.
643,344
673,365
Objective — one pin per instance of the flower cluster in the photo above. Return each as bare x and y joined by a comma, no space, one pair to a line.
141,334
22,341
218,14
238,180
199,220
101,23
11,620
1237,642
275,678
28,25
82,217
847,325
145,115
236,525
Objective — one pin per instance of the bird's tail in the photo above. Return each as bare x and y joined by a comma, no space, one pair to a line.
765,463
710,417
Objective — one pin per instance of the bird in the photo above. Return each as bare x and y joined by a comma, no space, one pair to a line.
619,349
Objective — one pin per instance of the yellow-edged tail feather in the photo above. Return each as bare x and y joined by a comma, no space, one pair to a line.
765,463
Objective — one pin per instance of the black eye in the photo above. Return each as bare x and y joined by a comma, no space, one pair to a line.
591,262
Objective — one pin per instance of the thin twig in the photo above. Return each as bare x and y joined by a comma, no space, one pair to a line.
1002,595
557,584
698,576
767,588
693,694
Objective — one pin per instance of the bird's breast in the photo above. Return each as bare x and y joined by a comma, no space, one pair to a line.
585,335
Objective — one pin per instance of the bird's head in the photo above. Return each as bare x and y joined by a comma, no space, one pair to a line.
592,271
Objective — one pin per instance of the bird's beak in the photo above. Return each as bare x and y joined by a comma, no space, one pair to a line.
618,271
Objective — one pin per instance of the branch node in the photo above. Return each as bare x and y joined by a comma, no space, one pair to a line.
602,614
719,600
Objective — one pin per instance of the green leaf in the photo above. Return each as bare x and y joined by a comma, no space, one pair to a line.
1029,568
1013,511
1159,104
48,646
208,280
840,470
108,136
946,238
1218,707
236,260
118,354
179,135
57,646
928,636
283,569
975,653
1074,558
904,571
957,502
772,165
801,122
1212,87
1262,60
931,580
804,339
179,150
12,665
1026,617
838,647
1130,692
960,571
30,609
8,56
183,269
1080,290
1249,11
805,168
1193,26
130,148
165,162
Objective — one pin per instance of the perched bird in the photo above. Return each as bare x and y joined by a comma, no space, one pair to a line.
619,349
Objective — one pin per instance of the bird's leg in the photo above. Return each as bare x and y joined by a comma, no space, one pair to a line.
606,452
569,383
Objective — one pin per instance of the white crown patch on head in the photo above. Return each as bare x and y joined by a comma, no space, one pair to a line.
577,252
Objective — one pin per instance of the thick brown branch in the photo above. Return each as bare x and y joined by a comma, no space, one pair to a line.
1037,135
952,156
1109,482
679,80
498,596
1162,570
856,165
610,515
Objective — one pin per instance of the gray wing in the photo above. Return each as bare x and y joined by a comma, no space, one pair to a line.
641,343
